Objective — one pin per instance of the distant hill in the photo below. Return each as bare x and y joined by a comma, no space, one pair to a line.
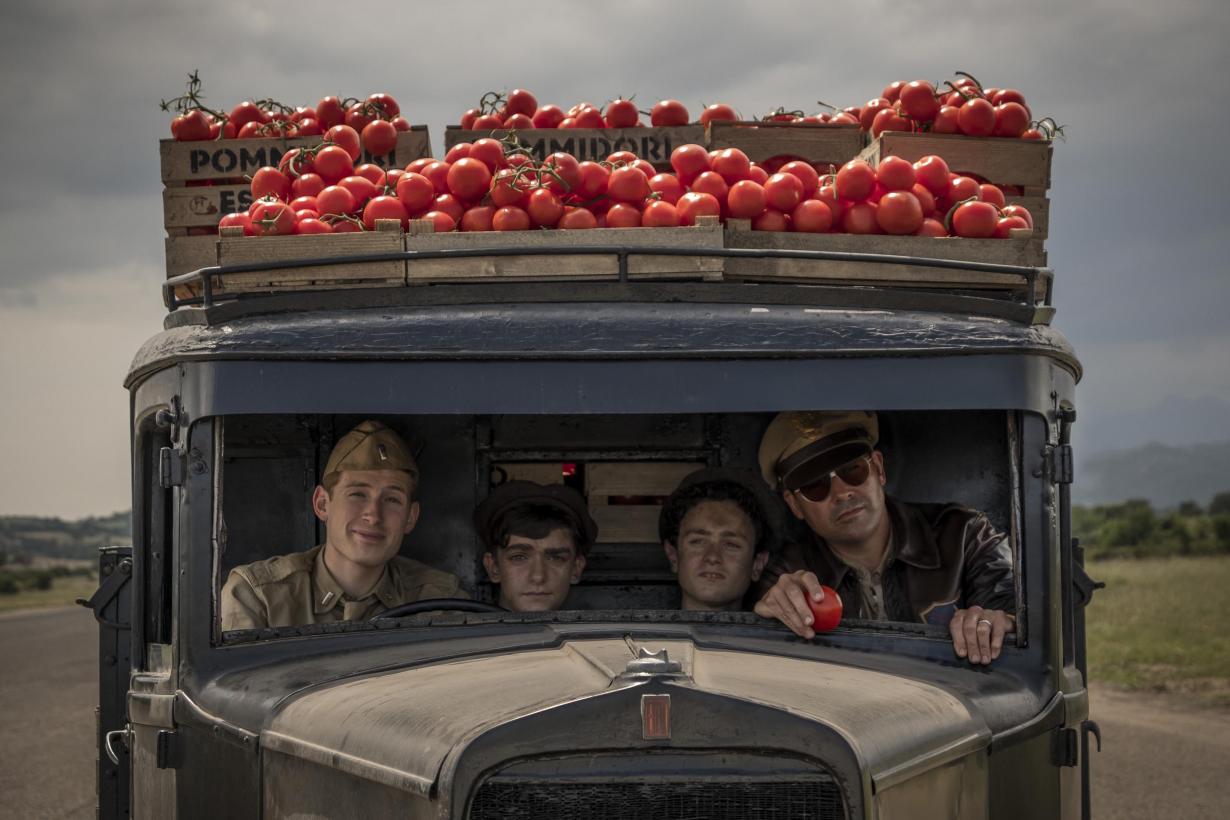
56,538
1165,475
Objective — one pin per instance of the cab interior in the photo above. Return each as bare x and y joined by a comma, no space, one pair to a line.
624,465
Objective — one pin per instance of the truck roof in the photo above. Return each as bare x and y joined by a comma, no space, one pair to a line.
603,321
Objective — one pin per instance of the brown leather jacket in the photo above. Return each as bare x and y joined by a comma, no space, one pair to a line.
945,557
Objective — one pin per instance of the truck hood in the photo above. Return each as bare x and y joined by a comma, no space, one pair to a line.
399,728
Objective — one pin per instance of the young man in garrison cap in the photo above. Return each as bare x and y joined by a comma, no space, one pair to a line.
536,538
888,560
366,500
716,531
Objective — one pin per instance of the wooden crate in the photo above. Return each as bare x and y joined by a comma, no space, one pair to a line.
240,250
1003,161
1039,208
233,159
1027,252
652,144
204,180
609,483
833,144
532,267
188,253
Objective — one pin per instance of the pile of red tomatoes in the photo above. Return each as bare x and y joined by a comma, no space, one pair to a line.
377,119
492,185
965,108
519,110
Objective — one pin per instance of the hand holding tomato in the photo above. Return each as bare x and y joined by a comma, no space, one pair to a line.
827,611
802,603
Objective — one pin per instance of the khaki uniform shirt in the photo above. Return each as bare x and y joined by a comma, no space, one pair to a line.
297,589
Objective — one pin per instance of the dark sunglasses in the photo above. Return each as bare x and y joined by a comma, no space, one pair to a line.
852,474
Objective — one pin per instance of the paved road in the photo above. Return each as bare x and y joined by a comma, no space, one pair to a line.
48,691
1161,759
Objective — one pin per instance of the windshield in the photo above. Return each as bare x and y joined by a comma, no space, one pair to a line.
326,519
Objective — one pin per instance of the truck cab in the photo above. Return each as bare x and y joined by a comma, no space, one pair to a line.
620,704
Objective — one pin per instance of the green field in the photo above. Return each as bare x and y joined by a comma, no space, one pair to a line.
1161,625
63,592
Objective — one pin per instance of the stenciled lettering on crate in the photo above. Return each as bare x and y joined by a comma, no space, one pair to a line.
654,145
221,159
233,159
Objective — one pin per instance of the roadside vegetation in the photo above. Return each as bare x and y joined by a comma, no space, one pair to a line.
44,586
1160,625
1133,529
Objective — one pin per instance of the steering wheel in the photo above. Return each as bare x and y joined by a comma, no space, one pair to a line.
433,604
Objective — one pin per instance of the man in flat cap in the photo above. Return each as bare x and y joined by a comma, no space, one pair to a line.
716,531
366,500
536,537
888,560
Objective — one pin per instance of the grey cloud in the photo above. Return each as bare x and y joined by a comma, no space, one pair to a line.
1136,201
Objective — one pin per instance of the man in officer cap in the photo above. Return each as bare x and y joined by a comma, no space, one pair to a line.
717,533
366,499
536,538
888,560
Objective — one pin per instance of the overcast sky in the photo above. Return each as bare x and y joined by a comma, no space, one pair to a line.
1138,196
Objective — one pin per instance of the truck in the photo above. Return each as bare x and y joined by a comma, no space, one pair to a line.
621,704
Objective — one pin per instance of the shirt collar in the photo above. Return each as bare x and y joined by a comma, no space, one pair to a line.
327,594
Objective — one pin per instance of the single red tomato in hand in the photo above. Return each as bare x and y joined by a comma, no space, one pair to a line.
827,611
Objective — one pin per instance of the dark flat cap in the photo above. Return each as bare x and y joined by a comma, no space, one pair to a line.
513,494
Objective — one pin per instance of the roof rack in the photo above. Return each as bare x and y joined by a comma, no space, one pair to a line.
209,286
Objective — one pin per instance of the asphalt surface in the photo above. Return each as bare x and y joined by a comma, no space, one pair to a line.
48,691
1161,757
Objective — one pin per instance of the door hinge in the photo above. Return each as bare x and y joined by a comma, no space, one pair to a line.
1059,463
1065,747
170,468
168,752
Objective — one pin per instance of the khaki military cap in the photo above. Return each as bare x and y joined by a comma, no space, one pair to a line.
800,446
371,446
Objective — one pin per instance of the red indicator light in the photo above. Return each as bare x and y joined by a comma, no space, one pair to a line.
656,717
569,469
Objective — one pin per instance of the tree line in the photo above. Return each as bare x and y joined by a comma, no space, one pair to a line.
1133,529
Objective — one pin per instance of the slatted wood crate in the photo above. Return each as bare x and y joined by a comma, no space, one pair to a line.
205,180
652,144
1016,163
1022,163
1023,252
625,498
532,267
818,144
236,249
1039,208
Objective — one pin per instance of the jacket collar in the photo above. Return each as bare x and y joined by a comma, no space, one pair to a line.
911,541
328,594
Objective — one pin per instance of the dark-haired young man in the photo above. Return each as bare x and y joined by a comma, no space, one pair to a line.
536,537
716,533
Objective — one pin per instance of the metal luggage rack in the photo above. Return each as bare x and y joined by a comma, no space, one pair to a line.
203,280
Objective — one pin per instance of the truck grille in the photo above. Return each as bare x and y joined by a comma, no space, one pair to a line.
760,800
